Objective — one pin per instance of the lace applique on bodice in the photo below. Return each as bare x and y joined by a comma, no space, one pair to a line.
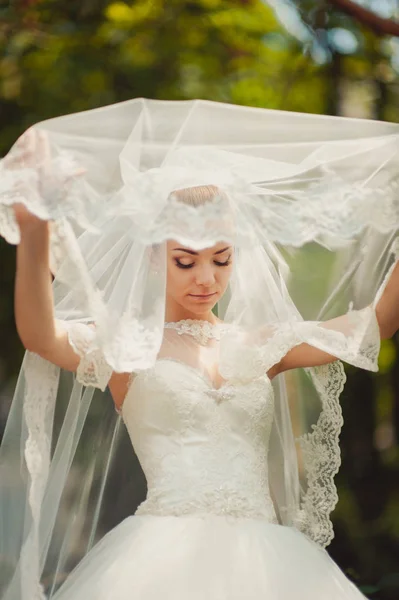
203,450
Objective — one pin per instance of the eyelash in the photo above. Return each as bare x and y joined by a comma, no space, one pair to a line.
217,263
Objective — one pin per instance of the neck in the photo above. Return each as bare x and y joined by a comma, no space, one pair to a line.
178,313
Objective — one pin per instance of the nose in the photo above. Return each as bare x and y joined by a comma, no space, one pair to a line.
205,276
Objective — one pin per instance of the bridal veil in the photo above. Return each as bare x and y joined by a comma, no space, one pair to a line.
311,205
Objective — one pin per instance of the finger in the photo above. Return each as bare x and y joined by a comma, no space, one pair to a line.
29,144
26,149
76,173
18,154
44,148
45,160
23,139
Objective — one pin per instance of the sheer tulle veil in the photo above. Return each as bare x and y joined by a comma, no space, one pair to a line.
311,205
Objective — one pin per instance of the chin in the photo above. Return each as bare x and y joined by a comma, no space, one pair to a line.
199,306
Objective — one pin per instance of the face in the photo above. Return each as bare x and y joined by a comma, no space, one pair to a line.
196,280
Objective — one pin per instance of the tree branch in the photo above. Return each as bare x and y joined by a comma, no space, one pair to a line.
367,17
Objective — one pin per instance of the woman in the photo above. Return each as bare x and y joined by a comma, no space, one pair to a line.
231,511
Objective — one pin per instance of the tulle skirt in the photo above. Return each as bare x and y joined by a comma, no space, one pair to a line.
206,558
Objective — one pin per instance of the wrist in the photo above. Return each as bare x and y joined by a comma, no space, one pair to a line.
35,228
34,244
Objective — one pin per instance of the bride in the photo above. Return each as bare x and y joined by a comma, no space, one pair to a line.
186,314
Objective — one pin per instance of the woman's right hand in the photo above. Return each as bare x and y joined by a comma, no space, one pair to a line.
32,152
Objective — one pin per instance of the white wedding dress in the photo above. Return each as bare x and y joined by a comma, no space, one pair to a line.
208,529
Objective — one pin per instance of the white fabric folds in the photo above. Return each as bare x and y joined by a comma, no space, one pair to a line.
311,205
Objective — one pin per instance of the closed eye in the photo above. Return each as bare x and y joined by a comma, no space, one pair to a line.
223,264
182,266
190,265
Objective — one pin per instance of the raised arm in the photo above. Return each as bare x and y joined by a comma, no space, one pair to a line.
37,327
387,314
387,307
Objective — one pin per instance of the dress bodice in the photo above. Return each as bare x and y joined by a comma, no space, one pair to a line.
203,449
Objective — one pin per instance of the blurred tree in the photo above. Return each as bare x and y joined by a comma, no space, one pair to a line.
379,25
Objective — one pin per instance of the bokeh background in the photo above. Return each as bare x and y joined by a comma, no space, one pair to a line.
338,57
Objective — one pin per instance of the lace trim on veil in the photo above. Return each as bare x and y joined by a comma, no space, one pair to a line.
59,191
322,456
39,403
58,194
320,448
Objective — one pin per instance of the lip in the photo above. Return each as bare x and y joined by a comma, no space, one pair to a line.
202,296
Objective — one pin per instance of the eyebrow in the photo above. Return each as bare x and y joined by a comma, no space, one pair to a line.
196,253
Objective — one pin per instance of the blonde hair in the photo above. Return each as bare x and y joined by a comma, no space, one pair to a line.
198,195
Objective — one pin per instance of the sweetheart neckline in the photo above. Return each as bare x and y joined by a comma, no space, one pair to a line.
190,368
204,377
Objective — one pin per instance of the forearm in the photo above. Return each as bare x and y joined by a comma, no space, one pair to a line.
387,308
34,310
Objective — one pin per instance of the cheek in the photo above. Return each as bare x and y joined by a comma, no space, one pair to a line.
178,280
224,276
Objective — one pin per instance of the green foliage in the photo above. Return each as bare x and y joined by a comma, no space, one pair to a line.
387,357
58,58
